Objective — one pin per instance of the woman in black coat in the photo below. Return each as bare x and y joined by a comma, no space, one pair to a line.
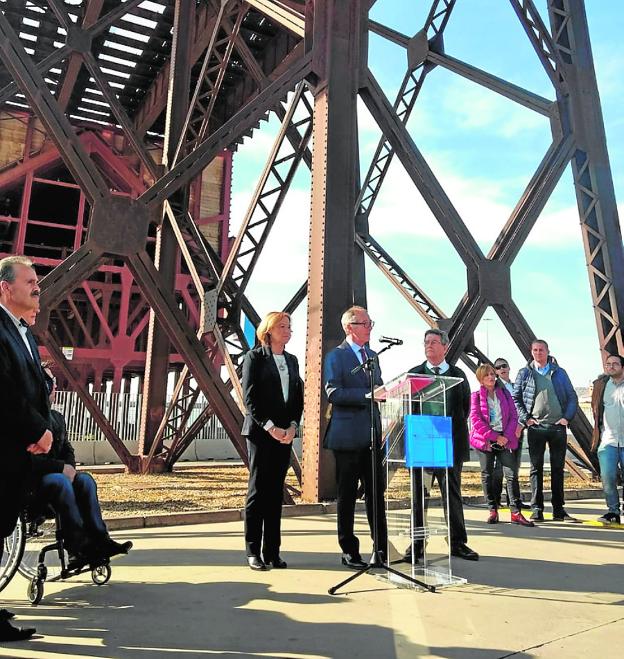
273,395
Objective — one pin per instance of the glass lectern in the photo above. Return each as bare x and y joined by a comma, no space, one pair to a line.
418,448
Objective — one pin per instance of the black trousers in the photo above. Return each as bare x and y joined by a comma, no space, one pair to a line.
457,525
497,474
509,465
556,438
351,467
268,464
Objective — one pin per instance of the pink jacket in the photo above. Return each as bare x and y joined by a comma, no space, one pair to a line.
481,433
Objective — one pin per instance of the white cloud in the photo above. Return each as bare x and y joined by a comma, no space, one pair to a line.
400,210
476,107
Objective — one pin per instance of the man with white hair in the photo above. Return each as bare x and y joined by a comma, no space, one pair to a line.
349,432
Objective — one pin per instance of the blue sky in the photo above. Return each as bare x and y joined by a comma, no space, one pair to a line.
484,149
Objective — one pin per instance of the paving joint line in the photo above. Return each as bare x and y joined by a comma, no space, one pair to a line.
561,638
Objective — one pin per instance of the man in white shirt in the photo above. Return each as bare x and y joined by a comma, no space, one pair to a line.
608,436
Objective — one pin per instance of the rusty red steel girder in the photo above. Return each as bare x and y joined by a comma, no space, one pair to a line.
166,255
197,122
156,97
119,227
234,276
339,44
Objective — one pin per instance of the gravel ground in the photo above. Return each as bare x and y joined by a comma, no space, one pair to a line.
217,488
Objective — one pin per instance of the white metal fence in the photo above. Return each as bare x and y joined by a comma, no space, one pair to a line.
123,411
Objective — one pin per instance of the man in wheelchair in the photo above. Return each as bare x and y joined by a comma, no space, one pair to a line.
72,494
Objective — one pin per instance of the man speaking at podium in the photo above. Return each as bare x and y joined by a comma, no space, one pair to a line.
349,432
458,408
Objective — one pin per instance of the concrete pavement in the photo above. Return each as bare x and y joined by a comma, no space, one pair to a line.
553,591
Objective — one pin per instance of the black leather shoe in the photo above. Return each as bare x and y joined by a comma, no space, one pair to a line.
110,548
256,563
464,551
537,516
76,561
6,615
382,557
562,516
414,551
277,563
83,552
353,561
10,633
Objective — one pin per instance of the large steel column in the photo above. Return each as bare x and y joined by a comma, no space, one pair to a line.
600,225
157,362
339,48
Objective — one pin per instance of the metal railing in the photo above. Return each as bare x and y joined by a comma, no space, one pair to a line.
123,411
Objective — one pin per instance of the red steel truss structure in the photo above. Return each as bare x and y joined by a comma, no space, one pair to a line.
197,79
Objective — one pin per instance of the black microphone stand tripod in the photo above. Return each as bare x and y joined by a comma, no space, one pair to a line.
379,558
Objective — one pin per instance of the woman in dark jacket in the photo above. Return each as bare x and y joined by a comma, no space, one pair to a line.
494,422
273,396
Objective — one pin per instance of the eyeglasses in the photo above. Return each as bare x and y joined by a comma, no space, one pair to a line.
501,366
369,324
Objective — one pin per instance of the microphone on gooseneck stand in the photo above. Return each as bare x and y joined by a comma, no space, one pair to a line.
390,341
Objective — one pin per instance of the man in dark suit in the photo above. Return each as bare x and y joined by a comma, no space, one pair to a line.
72,494
458,408
348,433
24,408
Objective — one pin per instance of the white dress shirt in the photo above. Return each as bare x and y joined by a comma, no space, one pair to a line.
443,366
22,329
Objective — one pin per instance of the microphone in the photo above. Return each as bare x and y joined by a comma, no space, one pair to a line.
391,341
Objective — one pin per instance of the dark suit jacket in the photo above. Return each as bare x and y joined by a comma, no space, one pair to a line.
61,453
457,407
24,417
349,424
262,394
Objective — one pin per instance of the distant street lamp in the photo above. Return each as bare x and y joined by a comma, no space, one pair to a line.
487,321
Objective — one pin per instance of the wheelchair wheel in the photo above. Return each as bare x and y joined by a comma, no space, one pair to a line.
38,536
101,574
13,552
35,591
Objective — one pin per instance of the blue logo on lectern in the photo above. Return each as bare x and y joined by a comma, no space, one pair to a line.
428,441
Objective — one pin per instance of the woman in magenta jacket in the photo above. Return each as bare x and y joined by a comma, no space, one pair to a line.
494,421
